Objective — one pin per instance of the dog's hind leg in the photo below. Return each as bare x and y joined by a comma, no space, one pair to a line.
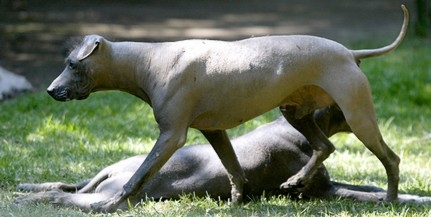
320,144
364,126
358,109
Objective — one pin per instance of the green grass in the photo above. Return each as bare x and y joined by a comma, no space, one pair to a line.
44,140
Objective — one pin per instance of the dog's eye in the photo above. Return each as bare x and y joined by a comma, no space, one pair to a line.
72,65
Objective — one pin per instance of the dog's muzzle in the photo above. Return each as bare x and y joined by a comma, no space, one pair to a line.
65,94
59,93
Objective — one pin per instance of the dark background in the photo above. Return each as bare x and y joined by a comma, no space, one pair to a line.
33,33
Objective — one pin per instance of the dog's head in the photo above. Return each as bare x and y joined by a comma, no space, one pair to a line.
86,67
331,120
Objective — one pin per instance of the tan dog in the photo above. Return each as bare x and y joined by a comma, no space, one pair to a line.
215,85
281,152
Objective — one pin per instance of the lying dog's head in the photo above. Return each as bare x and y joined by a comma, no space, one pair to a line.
331,120
84,67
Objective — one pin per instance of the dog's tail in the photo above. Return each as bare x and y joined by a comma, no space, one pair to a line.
358,193
372,194
361,54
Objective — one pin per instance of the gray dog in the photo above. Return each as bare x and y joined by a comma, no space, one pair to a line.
215,85
279,151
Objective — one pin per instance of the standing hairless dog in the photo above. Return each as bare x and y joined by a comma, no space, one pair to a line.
216,85
280,152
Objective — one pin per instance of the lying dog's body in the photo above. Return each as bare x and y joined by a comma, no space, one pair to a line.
215,85
268,155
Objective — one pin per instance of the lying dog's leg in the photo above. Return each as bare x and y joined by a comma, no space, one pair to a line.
82,201
223,147
171,138
100,177
52,186
322,147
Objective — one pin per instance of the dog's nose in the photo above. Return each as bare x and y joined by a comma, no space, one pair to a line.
58,93
53,92
50,91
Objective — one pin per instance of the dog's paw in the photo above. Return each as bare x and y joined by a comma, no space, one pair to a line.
294,183
53,197
109,205
22,199
104,206
48,186
26,187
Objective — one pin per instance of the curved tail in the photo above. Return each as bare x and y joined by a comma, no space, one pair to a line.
361,54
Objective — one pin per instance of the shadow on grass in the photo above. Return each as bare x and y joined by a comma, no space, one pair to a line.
45,140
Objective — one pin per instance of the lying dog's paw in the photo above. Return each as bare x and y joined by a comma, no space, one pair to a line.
109,205
52,197
26,187
48,186
294,183
21,199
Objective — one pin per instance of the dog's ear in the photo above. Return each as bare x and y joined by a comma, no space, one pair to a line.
88,46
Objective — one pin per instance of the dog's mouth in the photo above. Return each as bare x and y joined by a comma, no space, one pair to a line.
64,94
59,94
83,96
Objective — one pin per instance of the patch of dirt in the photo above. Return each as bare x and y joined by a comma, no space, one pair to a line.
33,33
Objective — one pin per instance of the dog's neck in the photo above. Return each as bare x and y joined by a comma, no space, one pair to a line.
128,77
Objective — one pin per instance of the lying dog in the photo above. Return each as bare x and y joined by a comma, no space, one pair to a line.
215,85
278,152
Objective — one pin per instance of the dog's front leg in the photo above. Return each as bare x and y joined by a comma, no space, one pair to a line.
47,186
167,143
223,147
64,199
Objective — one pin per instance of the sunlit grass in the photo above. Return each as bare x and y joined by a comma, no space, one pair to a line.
44,140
